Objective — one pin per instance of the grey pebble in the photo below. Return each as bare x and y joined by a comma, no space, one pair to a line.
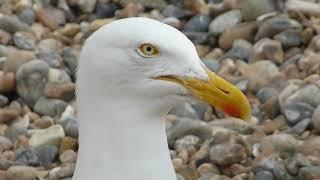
225,21
50,107
31,78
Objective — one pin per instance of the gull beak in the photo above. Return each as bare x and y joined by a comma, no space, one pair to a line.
216,92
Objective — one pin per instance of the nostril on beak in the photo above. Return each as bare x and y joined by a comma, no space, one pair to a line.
224,91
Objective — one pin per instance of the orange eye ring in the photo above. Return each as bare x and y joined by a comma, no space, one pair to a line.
148,50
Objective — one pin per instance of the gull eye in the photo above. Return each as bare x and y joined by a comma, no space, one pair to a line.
148,50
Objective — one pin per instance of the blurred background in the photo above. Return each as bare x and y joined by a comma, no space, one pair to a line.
268,48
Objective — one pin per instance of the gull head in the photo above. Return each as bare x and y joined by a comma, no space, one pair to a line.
140,58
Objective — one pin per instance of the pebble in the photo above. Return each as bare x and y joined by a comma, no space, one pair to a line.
21,172
289,38
70,127
174,11
185,142
272,26
49,46
68,156
31,79
264,175
239,31
105,10
5,143
24,40
54,60
27,15
225,21
199,23
66,170
296,112
27,156
47,154
50,107
13,132
63,91
186,126
7,82
5,37
58,76
316,119
67,143
16,58
241,49
258,72
12,24
52,135
226,154
309,173
269,49
252,9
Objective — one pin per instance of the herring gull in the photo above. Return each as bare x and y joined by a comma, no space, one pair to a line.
131,72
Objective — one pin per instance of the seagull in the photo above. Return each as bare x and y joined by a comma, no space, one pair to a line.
131,73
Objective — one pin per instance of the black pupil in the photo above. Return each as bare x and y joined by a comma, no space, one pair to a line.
149,48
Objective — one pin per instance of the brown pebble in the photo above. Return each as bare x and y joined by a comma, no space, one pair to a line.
7,82
5,37
68,143
63,91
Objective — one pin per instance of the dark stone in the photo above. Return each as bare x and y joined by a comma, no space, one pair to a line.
297,111
174,11
199,23
47,154
105,10
27,156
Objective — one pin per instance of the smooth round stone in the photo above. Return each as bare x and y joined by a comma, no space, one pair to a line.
106,10
87,6
300,127
213,65
226,154
198,23
50,46
47,154
5,143
21,172
174,11
241,49
58,76
13,132
268,49
68,156
64,171
185,126
27,156
272,26
31,79
264,94
27,15
43,122
7,82
186,141
224,22
296,112
63,91
24,40
198,37
251,9
264,175
284,143
316,119
52,135
5,163
53,59
309,173
70,127
309,94
3,100
50,107
289,38
12,24
239,31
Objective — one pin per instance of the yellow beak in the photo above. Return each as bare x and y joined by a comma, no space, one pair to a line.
216,92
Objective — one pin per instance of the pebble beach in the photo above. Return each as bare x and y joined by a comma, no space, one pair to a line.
270,49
